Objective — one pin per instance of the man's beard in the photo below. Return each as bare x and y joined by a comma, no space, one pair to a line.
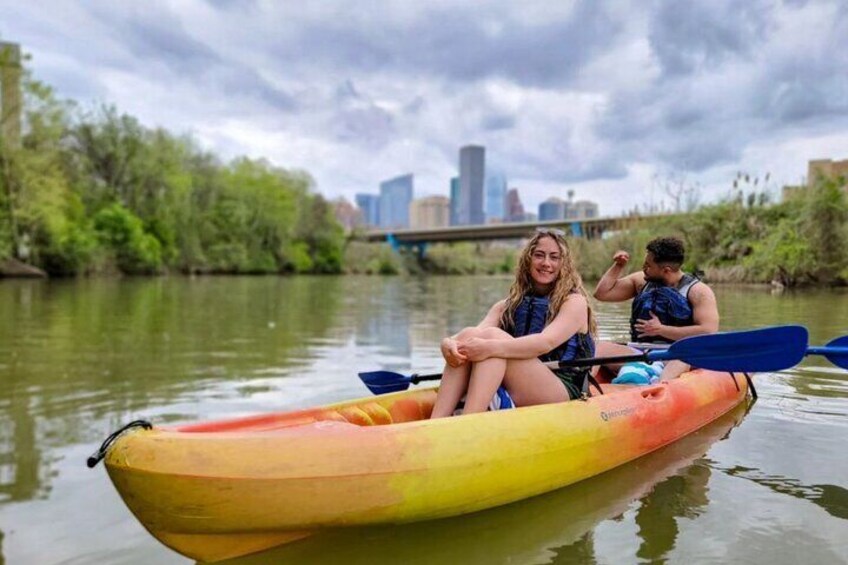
655,280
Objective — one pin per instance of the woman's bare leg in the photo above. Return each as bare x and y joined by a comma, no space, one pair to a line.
454,385
674,369
529,382
486,377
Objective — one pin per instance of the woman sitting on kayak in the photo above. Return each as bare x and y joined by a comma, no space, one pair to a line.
546,317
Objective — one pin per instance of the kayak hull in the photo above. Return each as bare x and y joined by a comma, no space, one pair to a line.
221,489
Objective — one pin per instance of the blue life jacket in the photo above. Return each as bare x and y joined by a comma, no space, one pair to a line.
670,304
531,318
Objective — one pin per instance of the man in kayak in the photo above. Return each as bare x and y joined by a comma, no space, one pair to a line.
668,304
545,317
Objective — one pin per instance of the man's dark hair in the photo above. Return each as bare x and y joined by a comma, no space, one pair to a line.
667,251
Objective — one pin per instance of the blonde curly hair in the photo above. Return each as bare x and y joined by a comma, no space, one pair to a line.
568,281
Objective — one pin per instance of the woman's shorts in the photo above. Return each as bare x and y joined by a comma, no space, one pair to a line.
567,378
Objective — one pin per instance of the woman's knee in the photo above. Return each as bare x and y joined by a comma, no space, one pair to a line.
493,333
467,333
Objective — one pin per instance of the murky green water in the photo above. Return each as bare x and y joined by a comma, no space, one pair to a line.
79,358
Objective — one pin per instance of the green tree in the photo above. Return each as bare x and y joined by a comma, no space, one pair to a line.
321,234
121,232
823,220
45,224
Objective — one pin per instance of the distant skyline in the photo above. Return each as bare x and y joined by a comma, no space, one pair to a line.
595,97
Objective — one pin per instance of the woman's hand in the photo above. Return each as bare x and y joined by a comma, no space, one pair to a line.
451,353
476,348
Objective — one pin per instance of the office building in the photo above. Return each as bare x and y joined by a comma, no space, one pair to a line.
818,169
454,201
348,215
514,207
472,171
582,210
369,204
495,198
826,168
395,197
552,209
430,212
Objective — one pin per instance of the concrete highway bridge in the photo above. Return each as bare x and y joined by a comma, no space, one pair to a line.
591,228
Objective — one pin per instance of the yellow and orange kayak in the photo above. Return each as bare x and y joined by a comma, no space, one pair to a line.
221,489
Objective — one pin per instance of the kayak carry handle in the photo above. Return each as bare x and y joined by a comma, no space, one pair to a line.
95,457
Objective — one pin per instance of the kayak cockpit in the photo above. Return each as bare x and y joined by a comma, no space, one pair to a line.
380,411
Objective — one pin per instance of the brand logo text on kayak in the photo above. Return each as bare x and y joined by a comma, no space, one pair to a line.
607,416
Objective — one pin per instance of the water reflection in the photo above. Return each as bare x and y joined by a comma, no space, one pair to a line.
557,525
832,498
681,496
24,472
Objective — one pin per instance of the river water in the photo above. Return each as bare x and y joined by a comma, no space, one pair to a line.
766,484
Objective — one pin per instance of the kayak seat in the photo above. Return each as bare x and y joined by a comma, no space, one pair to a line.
415,406
413,409
379,415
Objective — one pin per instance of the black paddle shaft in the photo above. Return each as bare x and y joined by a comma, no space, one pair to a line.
587,362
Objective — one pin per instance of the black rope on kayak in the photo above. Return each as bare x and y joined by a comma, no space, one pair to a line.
95,457
736,384
751,385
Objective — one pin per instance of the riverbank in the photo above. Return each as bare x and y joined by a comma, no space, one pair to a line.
464,259
12,268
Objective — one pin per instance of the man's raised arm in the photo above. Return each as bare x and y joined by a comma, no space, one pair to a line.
613,287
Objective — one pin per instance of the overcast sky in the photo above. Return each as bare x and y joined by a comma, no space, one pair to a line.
597,97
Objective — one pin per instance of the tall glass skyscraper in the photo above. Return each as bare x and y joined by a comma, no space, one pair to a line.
395,197
454,201
495,197
472,170
370,206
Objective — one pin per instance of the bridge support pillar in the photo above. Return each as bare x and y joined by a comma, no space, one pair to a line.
576,229
420,248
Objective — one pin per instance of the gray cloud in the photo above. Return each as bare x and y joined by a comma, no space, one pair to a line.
688,36
459,44
726,83
497,122
806,86
574,94
156,38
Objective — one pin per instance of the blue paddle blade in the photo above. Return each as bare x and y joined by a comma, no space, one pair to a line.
836,351
382,382
766,349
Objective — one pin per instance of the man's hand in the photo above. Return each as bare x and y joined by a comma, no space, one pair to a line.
476,349
621,258
649,328
451,352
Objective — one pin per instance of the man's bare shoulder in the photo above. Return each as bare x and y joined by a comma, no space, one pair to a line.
637,279
701,291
